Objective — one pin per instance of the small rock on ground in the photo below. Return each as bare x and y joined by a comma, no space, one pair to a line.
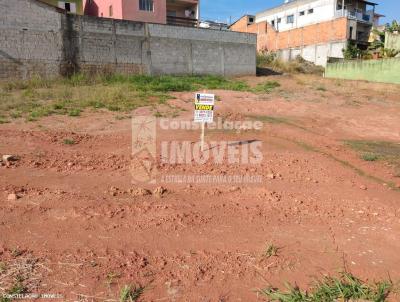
159,191
8,157
140,192
12,196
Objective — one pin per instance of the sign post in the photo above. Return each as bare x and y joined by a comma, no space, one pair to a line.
203,112
202,137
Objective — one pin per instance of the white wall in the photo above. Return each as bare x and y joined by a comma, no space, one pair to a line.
324,10
317,53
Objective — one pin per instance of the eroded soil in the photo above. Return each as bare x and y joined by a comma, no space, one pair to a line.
76,228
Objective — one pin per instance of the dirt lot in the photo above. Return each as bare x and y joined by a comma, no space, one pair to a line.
76,228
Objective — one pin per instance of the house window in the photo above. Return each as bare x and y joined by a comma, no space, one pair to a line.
251,19
279,20
290,19
146,5
302,13
273,23
110,10
311,10
68,6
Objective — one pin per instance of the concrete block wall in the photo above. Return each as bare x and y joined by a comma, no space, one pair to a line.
39,39
195,51
30,39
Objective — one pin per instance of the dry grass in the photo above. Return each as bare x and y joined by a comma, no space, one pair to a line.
20,275
377,150
38,97
299,65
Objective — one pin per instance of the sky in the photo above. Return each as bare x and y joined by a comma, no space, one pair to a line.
225,10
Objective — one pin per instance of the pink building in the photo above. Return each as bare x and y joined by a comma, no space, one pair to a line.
174,12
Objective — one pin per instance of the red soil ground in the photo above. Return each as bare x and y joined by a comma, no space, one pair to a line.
90,236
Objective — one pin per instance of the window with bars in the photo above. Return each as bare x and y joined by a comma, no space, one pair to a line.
146,5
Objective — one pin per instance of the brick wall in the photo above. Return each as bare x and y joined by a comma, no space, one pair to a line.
315,43
270,39
38,39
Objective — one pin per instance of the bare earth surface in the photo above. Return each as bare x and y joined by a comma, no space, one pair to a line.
80,232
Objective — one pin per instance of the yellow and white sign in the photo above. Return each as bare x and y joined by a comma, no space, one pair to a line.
204,108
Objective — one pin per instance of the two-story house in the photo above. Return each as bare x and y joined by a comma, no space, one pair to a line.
314,29
173,12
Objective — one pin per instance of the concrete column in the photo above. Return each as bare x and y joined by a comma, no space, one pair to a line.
222,51
190,63
114,40
146,51
342,8
198,13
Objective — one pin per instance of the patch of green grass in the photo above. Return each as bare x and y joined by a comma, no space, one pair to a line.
345,163
17,288
346,287
321,88
377,150
370,157
383,148
37,97
267,86
69,141
74,112
3,120
271,251
32,83
177,83
131,293
15,114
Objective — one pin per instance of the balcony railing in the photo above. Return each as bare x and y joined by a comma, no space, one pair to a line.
366,16
180,21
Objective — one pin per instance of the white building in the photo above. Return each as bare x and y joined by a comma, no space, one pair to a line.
300,13
315,29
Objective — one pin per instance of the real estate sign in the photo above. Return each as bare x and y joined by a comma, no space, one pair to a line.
204,108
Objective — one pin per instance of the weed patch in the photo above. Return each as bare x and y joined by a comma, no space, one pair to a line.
271,251
37,98
377,150
69,141
346,287
131,293
18,276
369,157
266,87
298,65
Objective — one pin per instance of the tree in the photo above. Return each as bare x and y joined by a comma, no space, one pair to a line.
394,27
